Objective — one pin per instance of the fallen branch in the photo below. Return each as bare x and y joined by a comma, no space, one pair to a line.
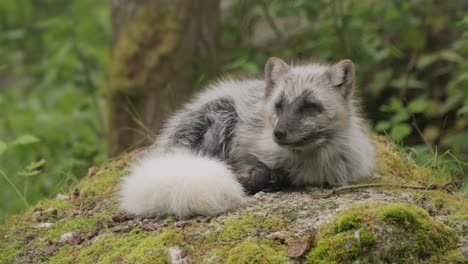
339,190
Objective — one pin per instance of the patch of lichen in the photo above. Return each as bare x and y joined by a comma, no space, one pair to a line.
371,232
394,165
140,47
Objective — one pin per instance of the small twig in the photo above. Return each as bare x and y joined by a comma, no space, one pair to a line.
414,123
339,190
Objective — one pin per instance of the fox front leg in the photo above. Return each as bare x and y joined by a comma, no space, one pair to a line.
256,176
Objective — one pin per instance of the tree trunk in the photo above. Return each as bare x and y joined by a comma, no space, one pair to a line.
154,46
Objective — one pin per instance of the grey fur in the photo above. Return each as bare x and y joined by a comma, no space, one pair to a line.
234,120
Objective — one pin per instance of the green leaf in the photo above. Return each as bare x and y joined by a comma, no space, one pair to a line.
36,165
464,187
394,105
461,111
381,80
34,168
400,131
418,105
452,102
427,60
407,82
451,55
458,79
26,173
382,126
400,116
25,140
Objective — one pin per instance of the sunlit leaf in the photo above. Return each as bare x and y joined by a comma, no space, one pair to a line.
451,55
405,82
400,116
394,105
452,102
36,165
427,60
400,131
32,169
382,126
418,105
25,140
464,109
464,187
381,79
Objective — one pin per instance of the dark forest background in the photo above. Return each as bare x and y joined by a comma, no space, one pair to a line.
83,81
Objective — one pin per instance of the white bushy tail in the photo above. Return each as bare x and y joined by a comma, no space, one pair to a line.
179,183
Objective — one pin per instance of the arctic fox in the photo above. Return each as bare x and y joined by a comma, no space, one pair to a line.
297,126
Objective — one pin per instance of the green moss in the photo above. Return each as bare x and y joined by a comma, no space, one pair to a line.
395,166
77,225
154,249
9,250
103,184
343,247
367,239
133,247
452,204
370,232
346,222
23,237
256,251
238,227
235,234
56,204
109,249
413,235
402,216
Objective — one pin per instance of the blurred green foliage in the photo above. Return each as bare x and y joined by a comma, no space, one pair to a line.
53,59
411,59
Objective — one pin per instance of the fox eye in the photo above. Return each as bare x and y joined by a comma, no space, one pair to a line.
311,107
279,105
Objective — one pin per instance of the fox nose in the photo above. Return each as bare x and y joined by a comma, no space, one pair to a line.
279,134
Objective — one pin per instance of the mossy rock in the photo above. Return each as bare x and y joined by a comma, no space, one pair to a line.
388,232
388,225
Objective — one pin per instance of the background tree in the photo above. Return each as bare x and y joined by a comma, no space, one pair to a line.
154,45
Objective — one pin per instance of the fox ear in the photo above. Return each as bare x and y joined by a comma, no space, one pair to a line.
342,77
274,69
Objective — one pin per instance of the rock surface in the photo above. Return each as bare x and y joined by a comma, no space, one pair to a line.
385,224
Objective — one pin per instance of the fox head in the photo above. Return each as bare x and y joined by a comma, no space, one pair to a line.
306,106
